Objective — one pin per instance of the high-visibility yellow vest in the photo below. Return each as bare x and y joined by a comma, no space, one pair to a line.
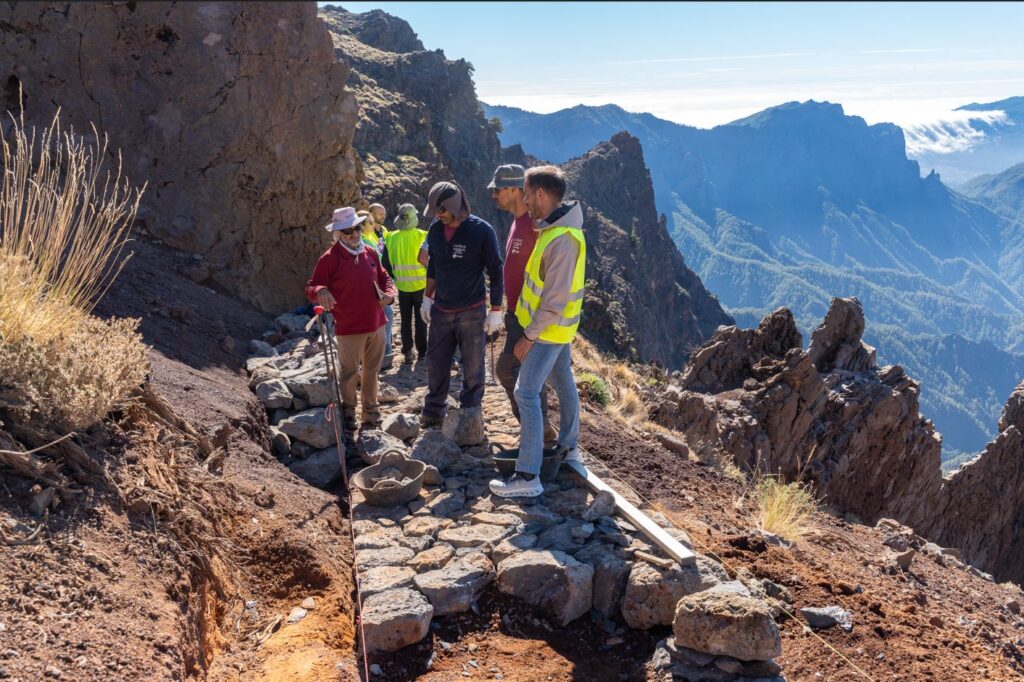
403,251
564,330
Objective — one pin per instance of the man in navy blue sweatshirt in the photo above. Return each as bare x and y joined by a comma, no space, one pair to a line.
461,248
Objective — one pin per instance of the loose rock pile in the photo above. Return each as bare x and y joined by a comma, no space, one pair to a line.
563,552
289,375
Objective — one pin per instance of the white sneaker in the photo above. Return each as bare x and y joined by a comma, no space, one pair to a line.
573,455
516,487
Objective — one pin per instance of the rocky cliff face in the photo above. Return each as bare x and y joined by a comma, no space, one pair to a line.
420,122
831,417
981,509
235,114
642,301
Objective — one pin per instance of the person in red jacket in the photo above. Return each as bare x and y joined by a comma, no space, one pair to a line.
350,281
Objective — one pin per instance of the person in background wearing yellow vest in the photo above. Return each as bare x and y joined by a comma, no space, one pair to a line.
373,237
380,214
401,258
549,312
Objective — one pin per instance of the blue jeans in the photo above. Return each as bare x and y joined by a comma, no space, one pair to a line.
389,313
551,362
464,331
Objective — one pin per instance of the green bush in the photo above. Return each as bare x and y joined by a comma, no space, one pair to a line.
593,388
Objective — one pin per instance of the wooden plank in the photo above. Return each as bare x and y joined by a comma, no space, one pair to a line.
675,549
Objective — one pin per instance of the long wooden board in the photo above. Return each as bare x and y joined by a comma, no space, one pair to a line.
675,549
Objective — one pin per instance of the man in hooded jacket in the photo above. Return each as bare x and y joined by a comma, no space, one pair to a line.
461,249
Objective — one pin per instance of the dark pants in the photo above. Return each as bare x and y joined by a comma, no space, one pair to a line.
507,368
409,308
463,330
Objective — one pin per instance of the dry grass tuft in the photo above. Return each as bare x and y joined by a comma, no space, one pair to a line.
784,509
64,222
628,406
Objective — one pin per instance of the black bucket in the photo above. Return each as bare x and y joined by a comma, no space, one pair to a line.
505,462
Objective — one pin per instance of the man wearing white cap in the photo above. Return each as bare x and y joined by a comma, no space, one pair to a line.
350,281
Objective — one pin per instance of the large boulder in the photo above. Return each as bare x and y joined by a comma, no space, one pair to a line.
455,587
401,425
373,443
309,426
652,593
310,383
395,619
273,393
433,558
465,425
610,577
434,448
727,624
551,580
384,578
248,188
389,556
321,469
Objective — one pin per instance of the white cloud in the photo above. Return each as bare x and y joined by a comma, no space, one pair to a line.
950,132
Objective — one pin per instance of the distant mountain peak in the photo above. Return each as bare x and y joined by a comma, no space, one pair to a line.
1009,105
790,111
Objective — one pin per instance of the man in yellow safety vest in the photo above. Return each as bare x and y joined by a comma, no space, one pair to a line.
401,258
549,311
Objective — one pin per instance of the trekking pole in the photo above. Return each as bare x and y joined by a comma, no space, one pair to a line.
329,345
330,348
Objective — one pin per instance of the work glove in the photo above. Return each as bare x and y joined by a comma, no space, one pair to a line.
494,322
425,309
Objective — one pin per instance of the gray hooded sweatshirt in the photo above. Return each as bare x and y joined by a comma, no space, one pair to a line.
557,266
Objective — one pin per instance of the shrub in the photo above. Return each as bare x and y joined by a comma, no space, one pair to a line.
784,509
74,381
593,388
64,222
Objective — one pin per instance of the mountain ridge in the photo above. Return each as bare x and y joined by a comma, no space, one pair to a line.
799,203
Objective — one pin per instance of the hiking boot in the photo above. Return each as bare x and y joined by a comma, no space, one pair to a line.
516,486
371,422
427,421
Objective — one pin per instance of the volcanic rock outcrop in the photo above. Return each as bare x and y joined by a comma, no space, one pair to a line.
238,120
419,119
642,302
831,417
981,509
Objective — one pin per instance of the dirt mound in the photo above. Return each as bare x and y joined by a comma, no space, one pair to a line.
185,556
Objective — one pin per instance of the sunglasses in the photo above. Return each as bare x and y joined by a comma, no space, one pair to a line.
349,230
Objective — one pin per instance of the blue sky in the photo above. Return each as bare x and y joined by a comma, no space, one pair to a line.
706,64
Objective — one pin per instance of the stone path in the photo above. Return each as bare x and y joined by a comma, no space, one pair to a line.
562,552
